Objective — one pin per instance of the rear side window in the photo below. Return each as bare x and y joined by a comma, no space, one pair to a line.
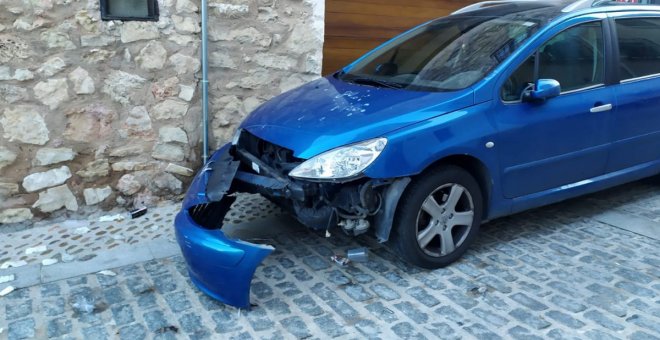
639,47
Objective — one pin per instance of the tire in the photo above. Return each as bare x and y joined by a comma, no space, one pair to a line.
419,216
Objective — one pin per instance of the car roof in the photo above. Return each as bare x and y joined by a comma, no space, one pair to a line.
560,7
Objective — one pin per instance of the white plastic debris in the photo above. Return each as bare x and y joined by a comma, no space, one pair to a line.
340,260
1,330
107,273
35,250
7,278
48,262
15,264
357,255
82,305
111,218
81,231
70,224
67,257
6,291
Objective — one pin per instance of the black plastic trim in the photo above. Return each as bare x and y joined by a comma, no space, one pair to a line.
269,177
612,58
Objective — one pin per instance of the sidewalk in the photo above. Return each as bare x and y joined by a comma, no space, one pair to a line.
587,268
79,247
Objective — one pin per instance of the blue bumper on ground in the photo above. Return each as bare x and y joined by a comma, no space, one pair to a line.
221,267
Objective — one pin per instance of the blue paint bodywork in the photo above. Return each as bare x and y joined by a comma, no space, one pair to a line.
219,266
328,113
544,152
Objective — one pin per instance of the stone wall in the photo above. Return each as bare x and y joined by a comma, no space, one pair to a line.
279,50
95,114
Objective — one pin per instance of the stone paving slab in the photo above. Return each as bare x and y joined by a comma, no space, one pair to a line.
555,273
635,224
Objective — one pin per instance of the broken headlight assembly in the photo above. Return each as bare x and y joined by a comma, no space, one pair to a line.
341,163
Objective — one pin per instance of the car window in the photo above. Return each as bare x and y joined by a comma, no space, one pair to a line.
522,79
639,47
573,57
448,54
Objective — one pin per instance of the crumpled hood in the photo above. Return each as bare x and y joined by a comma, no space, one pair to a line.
328,113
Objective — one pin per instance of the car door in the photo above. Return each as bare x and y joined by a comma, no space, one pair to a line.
563,140
636,123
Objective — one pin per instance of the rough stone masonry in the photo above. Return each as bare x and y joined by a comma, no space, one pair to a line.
99,113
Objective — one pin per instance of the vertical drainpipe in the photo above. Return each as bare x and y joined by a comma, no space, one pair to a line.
205,82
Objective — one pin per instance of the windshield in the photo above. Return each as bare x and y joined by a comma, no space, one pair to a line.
448,54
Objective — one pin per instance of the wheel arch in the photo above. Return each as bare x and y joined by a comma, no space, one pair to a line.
474,167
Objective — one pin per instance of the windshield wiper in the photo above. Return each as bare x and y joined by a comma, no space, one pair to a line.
377,82
339,74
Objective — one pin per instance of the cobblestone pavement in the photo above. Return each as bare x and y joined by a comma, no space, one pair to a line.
84,239
566,271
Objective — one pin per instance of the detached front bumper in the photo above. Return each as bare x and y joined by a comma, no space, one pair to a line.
221,267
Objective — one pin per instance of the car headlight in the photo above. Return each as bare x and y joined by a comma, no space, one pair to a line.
343,162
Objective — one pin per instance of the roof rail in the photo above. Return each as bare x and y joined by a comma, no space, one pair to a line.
582,4
578,5
485,4
599,3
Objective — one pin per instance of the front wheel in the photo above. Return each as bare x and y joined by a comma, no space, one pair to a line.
438,217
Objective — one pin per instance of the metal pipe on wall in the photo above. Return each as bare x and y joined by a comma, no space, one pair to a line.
205,82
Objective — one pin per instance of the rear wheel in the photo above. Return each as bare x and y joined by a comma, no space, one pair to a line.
438,217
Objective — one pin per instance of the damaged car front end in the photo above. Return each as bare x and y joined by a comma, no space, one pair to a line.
323,192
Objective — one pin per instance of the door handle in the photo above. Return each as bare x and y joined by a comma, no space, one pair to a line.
601,108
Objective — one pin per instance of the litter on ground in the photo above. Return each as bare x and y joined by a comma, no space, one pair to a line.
81,230
14,264
6,291
340,260
107,273
48,262
35,250
111,218
7,278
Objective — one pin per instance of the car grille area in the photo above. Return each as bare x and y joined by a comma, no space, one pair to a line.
210,215
275,156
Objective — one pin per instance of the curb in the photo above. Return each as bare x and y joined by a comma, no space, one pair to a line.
36,274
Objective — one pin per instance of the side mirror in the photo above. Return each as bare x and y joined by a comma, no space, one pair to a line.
543,89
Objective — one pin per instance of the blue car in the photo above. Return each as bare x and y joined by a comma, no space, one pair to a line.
500,107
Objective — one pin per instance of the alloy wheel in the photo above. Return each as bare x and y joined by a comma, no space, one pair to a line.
444,220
